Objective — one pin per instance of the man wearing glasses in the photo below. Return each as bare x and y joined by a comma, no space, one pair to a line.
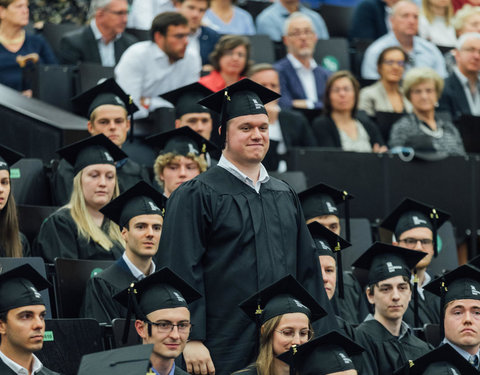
104,40
414,226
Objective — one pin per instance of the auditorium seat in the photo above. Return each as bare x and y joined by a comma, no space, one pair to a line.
53,33
29,183
31,217
337,19
332,54
90,75
262,49
118,326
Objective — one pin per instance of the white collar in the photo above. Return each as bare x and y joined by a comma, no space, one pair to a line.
139,275
298,65
37,365
98,35
232,168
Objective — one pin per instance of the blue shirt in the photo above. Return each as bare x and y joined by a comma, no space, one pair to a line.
240,24
424,54
460,351
270,21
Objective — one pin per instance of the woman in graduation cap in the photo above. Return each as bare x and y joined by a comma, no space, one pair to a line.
283,312
12,242
79,230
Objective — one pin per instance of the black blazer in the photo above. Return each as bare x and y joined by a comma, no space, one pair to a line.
80,46
207,40
295,129
453,99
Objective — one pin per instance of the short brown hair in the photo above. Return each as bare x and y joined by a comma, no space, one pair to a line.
164,159
228,43
328,87
381,57
162,21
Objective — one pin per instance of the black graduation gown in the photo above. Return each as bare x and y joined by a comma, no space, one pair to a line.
5,370
428,310
229,242
129,173
58,237
354,306
386,352
98,302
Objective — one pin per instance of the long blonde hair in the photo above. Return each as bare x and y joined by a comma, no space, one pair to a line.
427,12
85,224
266,356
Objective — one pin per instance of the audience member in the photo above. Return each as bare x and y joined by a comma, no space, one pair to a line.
230,60
79,230
386,95
271,20
58,11
461,94
202,39
139,215
226,18
340,126
13,243
148,69
435,22
459,4
302,81
370,19
18,48
142,12
404,19
424,130
104,40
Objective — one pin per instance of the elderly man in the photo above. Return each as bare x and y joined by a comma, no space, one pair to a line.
103,41
302,81
404,20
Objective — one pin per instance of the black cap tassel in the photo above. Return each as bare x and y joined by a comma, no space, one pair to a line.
443,291
341,290
130,113
434,219
415,299
258,323
347,216
132,307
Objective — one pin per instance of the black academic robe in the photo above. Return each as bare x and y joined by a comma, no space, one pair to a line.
386,352
5,370
228,242
353,307
428,310
58,237
98,302
129,173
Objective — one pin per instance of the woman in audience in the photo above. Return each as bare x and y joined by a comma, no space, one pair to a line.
226,18
79,230
386,95
16,45
12,242
423,129
340,127
435,22
230,60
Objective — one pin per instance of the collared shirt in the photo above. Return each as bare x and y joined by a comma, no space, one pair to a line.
19,370
307,79
473,99
106,50
230,167
171,372
404,327
139,275
194,42
460,351
428,278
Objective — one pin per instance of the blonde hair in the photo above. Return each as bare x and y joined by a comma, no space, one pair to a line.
85,224
427,12
164,159
461,16
416,76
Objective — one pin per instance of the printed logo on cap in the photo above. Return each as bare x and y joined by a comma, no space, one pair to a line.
192,149
179,297
418,221
153,206
108,156
35,292
331,207
299,304
3,164
257,104
323,245
474,291
392,268
119,101
346,359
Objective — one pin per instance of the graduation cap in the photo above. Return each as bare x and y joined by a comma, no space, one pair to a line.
140,199
132,360
107,92
323,355
444,360
411,214
185,99
244,97
8,157
328,243
163,289
181,141
20,287
93,150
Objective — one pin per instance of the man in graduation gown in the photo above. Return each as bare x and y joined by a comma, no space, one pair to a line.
389,341
234,230
107,107
414,225
22,321
139,213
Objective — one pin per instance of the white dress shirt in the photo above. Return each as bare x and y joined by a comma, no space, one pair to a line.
139,275
106,50
307,79
19,370
230,167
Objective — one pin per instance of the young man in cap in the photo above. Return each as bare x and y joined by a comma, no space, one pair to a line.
459,291
22,321
241,230
414,225
160,304
389,342
107,108
139,214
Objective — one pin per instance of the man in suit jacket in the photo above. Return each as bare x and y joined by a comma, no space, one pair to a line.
461,94
104,40
302,81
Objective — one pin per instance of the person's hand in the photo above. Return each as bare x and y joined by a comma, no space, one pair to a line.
27,93
300,103
379,149
197,358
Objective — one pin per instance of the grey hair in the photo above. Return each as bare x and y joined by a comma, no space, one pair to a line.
466,37
463,14
96,5
399,4
294,16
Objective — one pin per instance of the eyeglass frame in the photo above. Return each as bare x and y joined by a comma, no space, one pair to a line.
172,326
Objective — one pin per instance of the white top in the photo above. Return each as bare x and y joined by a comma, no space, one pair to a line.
437,32
142,12
230,167
144,71
19,370
473,98
107,51
307,78
194,42
139,275
361,144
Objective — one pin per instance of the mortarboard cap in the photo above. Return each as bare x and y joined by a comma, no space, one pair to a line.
93,150
326,241
323,355
140,199
20,287
8,157
131,360
384,261
283,297
321,200
185,99
181,141
442,361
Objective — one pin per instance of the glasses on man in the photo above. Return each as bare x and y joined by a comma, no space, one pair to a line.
288,333
299,33
167,327
399,63
412,242
120,13
179,36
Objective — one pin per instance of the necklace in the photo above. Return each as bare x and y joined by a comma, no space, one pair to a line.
16,40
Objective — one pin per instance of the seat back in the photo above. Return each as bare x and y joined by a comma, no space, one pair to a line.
141,35
432,334
118,325
360,238
53,33
296,179
332,54
90,75
30,219
385,121
262,49
30,183
337,19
